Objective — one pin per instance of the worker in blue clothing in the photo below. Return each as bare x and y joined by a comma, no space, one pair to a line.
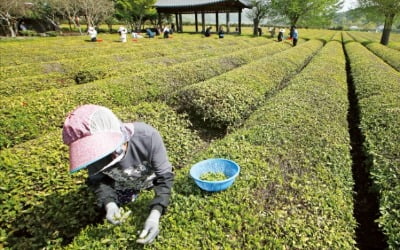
294,35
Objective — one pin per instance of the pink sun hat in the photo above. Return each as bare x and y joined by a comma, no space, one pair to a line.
91,132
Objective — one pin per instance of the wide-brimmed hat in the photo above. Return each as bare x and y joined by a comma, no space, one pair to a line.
92,132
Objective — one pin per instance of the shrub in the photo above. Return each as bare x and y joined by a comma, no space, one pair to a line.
391,56
85,76
28,33
228,99
377,86
52,33
296,194
30,115
103,66
44,206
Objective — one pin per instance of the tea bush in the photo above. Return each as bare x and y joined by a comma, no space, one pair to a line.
43,205
69,54
228,99
394,45
30,115
66,72
337,37
377,86
391,56
295,185
313,34
346,37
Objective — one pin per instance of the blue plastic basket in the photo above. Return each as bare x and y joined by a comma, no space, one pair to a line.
228,167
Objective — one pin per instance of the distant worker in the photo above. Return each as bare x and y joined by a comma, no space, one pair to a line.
259,31
208,31
136,35
295,36
272,31
221,32
22,26
122,32
280,34
93,34
166,31
291,32
150,33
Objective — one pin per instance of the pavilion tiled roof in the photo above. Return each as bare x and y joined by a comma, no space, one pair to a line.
192,3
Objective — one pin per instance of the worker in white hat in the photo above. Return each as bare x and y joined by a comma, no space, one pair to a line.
93,34
122,32
121,159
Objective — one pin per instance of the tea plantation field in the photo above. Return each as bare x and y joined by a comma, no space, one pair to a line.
284,114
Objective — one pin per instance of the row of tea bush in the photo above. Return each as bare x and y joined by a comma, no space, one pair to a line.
230,98
45,206
295,185
30,115
377,86
69,72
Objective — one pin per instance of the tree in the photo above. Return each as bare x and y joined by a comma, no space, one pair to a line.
47,10
319,19
11,11
96,11
134,12
260,10
295,9
68,9
389,8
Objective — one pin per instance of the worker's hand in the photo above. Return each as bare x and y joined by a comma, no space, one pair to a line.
116,215
150,231
113,213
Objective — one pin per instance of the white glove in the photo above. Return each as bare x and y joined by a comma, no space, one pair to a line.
116,215
150,228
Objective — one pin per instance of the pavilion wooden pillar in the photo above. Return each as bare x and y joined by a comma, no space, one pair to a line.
206,7
196,21
227,22
216,21
176,22
180,23
203,22
240,22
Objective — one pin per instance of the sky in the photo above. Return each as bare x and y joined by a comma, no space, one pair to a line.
349,4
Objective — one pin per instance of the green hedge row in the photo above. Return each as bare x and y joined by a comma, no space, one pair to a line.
294,190
313,34
81,72
337,37
228,99
359,36
98,56
394,45
346,38
49,49
377,87
42,205
391,56
30,115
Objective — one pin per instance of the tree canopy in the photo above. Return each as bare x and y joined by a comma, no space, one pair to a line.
389,9
134,12
296,9
260,10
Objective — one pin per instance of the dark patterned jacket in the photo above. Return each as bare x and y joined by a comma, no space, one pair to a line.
145,165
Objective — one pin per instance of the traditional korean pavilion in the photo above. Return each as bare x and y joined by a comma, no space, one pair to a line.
201,7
